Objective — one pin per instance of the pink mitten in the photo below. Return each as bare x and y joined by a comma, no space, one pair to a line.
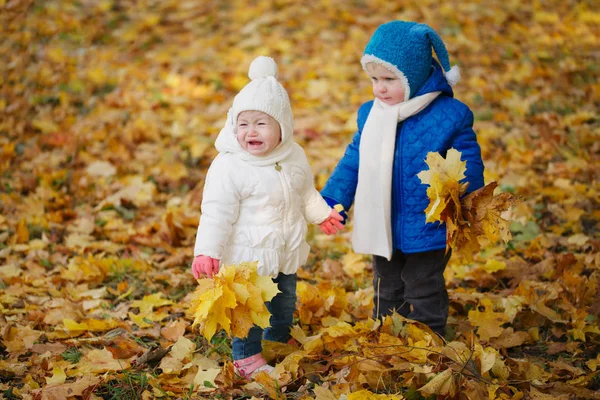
332,224
205,265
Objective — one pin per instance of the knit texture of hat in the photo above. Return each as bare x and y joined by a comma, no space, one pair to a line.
264,93
405,49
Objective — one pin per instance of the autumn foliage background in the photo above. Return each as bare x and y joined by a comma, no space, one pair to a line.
108,113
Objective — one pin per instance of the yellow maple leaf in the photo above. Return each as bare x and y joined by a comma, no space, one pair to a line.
444,169
593,363
443,178
219,316
255,301
58,376
241,292
492,266
268,290
233,300
141,320
147,304
101,325
73,326
488,322
261,318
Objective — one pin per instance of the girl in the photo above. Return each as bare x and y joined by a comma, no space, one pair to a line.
259,194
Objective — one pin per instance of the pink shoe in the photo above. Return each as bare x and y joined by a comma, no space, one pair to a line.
250,366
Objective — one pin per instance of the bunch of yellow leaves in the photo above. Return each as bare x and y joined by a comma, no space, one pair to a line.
234,300
469,219
444,189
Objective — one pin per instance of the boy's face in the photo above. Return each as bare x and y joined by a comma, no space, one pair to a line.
387,87
258,133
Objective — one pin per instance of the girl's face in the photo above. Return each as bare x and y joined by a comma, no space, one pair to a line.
258,133
387,87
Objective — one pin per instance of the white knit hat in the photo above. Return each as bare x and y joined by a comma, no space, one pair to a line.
264,93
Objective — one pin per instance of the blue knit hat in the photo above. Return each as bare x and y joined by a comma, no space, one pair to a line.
405,49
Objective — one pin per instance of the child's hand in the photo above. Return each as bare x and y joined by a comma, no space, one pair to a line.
332,224
205,265
337,207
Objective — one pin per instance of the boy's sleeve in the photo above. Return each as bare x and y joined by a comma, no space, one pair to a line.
466,142
220,208
341,185
315,208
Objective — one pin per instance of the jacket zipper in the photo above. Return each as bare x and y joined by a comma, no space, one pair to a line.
286,197
398,187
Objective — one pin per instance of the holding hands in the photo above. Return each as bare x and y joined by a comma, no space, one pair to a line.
332,224
205,265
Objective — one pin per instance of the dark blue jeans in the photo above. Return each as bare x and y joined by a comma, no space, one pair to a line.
282,308
414,286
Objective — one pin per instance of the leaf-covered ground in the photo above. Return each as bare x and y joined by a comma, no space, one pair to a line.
108,112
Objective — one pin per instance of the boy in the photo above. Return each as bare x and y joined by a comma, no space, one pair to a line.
413,113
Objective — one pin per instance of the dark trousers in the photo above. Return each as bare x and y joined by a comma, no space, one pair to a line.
413,285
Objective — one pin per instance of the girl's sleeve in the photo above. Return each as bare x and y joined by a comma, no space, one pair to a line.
315,208
220,208
466,142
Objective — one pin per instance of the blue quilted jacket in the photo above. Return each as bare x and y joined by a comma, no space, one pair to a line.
445,123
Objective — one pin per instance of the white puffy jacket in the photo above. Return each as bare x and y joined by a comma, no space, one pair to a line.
259,212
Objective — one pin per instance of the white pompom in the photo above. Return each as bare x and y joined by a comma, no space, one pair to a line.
262,67
453,76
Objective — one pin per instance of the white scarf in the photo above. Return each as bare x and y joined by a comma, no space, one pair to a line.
227,143
372,232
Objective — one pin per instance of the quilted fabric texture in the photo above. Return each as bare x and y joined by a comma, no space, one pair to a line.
446,123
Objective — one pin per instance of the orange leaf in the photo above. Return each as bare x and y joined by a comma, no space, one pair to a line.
22,233
174,330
